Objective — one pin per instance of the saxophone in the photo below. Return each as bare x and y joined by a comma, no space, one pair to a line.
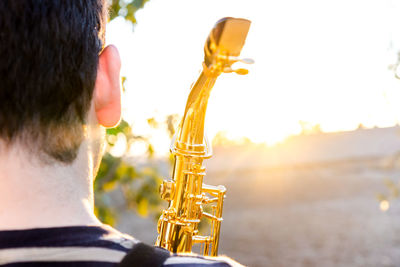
178,226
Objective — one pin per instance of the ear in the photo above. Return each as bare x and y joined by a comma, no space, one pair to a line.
107,92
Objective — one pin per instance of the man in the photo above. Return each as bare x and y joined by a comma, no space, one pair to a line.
59,89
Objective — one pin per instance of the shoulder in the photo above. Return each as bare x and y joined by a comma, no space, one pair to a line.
199,261
74,245
109,234
146,255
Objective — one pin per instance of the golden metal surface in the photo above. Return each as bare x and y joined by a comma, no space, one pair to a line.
186,193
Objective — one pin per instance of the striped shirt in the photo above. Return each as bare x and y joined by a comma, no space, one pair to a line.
80,246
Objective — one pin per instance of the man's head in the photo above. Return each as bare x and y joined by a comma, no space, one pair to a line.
51,61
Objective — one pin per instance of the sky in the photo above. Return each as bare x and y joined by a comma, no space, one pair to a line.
316,61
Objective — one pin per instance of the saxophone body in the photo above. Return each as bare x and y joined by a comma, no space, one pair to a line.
178,226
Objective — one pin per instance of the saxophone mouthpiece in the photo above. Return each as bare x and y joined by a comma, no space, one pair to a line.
226,40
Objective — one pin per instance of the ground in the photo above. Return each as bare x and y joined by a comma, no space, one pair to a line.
305,215
314,216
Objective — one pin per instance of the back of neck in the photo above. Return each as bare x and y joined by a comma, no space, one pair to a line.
36,195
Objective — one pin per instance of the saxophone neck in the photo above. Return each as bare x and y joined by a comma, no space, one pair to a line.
221,50
190,139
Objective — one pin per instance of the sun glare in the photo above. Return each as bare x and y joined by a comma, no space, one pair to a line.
322,62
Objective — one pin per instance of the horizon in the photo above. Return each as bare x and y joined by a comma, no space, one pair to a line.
221,140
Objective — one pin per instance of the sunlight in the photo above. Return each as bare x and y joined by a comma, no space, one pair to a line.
310,65
120,145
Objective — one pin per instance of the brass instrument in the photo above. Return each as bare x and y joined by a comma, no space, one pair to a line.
186,193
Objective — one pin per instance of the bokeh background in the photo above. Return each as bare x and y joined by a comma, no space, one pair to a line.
307,143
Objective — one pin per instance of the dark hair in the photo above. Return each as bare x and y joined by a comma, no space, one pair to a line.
49,52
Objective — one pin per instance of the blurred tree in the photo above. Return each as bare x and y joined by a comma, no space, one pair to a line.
309,128
125,8
396,67
138,186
